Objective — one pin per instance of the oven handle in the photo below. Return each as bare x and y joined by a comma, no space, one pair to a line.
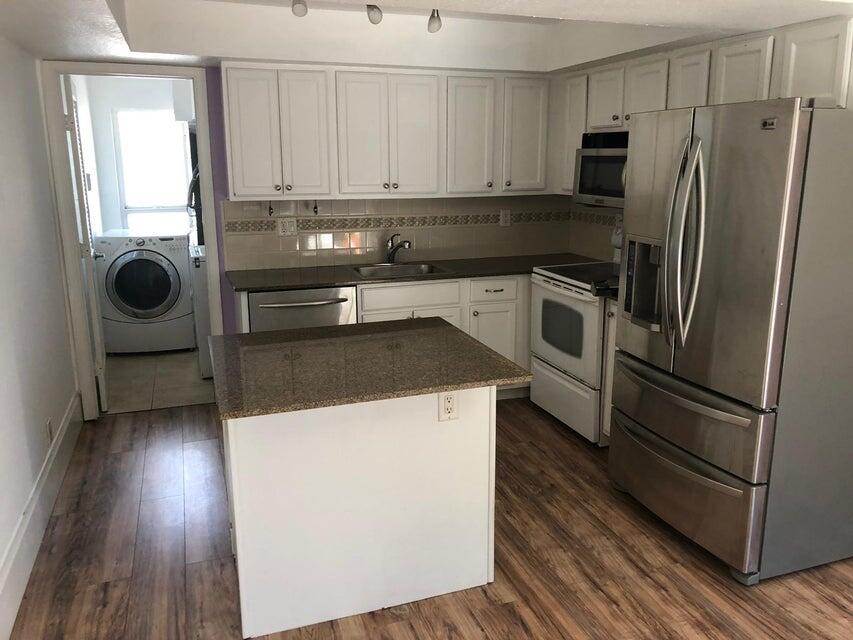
564,292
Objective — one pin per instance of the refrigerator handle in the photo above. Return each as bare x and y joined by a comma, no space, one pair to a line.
674,262
666,308
700,240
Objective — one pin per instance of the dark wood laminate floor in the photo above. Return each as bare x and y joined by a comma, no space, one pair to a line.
138,547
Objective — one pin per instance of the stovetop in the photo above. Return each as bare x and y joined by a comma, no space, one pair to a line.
599,277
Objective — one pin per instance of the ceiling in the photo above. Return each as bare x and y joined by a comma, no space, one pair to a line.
89,30
739,15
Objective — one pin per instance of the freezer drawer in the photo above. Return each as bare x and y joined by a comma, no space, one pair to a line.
297,309
719,512
729,435
568,400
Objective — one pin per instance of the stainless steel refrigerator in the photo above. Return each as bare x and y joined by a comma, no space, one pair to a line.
733,388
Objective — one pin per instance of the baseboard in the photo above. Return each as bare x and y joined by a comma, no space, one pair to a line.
20,555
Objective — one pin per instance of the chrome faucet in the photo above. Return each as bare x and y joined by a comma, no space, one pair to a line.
393,248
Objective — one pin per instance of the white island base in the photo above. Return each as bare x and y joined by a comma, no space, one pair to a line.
347,509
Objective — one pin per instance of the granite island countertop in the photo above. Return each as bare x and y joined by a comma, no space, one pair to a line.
291,370
255,280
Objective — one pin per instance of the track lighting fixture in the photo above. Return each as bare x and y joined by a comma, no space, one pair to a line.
299,8
374,14
434,22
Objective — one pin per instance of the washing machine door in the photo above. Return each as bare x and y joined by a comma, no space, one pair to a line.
143,284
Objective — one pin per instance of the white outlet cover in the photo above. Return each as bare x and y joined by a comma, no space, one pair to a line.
506,217
287,227
448,406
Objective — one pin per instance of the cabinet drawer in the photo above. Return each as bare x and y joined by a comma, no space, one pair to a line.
493,290
428,294
721,513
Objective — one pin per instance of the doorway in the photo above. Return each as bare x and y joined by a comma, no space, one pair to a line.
138,188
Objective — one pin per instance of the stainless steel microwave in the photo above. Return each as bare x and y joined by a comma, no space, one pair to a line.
600,169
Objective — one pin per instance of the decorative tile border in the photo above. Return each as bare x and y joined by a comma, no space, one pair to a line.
250,226
322,223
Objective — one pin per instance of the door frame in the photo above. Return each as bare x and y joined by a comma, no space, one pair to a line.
79,329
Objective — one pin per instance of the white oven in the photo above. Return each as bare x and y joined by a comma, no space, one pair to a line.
567,325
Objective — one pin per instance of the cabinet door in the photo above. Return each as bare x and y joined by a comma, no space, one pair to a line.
816,62
470,134
612,308
452,314
689,74
741,71
494,325
304,132
363,132
606,95
575,127
254,138
645,87
413,133
525,130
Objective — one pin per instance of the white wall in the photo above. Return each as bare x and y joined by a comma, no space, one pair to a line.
36,376
106,94
271,32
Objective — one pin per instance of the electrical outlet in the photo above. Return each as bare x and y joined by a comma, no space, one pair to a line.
448,406
287,226
506,218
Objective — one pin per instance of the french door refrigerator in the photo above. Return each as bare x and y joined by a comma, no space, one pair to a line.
733,418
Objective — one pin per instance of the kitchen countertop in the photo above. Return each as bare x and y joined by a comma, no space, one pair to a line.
255,280
280,371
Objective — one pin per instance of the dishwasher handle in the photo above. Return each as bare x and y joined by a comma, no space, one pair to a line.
292,305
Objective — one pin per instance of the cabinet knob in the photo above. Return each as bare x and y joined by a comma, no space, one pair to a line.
278,187
610,314
395,185
476,313
615,117
627,116
289,187
385,185
508,183
489,184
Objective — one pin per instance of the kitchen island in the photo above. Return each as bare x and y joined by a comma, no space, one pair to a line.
360,466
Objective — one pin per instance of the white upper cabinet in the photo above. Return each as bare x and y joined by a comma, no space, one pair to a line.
304,132
413,133
254,139
741,70
606,98
689,75
470,134
525,132
575,126
816,62
363,161
645,86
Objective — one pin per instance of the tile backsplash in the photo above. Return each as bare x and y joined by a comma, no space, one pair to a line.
355,231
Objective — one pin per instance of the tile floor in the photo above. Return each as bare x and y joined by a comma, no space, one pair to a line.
155,381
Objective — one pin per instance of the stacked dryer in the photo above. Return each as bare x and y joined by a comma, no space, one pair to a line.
145,290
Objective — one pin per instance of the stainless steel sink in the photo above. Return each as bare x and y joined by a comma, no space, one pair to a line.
397,270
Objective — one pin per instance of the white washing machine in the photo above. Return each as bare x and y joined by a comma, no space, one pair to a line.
145,285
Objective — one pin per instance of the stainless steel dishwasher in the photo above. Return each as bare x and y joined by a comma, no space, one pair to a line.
272,310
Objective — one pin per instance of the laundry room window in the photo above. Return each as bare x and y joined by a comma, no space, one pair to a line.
153,163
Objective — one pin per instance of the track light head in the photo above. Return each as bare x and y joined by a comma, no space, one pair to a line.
434,22
374,14
299,8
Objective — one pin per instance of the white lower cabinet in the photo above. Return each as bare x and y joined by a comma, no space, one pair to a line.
494,311
494,325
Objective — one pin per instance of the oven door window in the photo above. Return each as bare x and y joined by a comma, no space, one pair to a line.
562,328
602,176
